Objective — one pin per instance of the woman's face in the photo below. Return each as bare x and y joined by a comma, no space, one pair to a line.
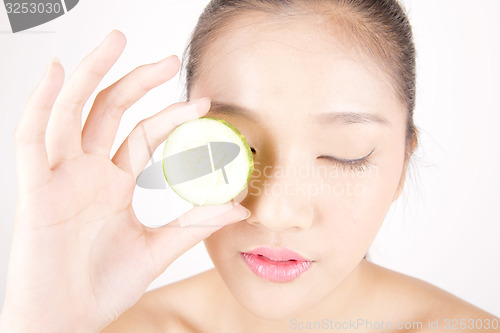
301,98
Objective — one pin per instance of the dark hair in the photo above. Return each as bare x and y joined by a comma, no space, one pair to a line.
380,30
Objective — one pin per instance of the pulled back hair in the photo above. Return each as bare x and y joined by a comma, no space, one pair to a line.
378,29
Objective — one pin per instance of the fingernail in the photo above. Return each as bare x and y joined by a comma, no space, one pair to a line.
107,36
54,60
167,59
199,100
113,31
106,39
245,213
201,104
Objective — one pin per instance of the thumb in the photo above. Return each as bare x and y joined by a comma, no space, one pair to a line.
175,238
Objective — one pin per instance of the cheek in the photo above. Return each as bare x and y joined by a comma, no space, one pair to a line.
216,242
223,246
350,216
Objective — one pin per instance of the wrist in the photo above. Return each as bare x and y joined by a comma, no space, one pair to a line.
10,323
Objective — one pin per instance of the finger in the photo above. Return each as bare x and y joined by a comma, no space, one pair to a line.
170,241
110,104
137,149
64,129
31,155
242,195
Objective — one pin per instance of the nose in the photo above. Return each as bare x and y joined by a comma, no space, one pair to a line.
281,203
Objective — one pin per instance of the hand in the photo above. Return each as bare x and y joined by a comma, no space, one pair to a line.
79,255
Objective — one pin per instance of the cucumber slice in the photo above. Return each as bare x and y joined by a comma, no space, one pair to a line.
207,161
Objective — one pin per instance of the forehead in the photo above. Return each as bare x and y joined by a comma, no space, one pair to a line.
270,64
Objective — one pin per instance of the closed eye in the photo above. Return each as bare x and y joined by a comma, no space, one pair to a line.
358,164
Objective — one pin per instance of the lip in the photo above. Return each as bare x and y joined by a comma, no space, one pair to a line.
279,254
278,265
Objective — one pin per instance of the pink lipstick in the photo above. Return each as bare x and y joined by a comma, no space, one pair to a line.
278,265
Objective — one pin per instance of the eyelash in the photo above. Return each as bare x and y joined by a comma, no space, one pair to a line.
359,164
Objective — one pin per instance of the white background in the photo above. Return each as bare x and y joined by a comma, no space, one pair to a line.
445,228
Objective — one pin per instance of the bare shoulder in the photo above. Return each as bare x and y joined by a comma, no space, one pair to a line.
419,301
178,307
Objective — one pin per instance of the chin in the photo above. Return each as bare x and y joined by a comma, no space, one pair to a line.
268,299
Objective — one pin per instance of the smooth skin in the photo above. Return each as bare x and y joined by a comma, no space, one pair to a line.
79,255
286,74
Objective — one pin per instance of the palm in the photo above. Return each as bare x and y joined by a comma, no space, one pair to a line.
87,190
92,219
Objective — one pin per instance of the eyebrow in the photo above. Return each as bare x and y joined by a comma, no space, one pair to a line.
218,108
344,118
348,118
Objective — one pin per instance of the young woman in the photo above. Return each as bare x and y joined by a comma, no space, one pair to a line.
324,91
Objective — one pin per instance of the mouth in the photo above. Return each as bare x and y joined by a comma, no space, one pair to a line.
277,265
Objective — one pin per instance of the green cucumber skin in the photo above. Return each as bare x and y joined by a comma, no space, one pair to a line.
234,129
